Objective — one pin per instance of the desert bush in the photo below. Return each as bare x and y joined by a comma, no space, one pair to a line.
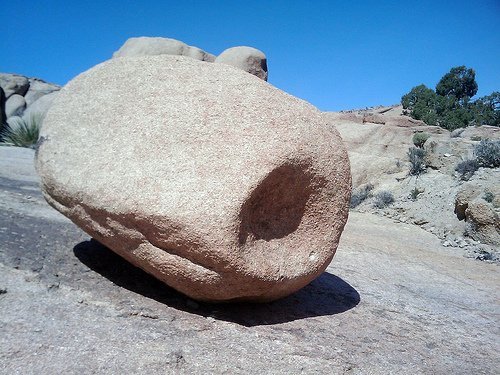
467,168
360,194
417,164
489,196
420,138
414,193
383,199
487,153
22,132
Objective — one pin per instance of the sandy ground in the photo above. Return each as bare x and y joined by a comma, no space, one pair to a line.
393,301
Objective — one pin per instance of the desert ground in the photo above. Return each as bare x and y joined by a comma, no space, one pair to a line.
394,300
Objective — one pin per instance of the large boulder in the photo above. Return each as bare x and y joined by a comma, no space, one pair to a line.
15,105
150,46
249,59
483,223
40,106
215,182
14,84
38,89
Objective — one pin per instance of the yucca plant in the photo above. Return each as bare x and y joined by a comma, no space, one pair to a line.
22,132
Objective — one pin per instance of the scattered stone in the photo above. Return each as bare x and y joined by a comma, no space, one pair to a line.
239,192
249,59
150,46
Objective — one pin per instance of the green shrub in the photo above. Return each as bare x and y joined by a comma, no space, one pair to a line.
383,199
414,193
360,194
22,133
467,168
487,153
417,164
420,138
488,196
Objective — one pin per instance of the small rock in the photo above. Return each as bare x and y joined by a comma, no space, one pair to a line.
420,221
249,59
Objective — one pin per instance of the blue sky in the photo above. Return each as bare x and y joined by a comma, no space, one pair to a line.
334,54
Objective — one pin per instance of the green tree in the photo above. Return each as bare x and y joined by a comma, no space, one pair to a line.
450,106
460,82
486,110
420,103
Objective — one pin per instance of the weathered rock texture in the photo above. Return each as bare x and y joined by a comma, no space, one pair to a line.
249,59
212,180
150,46
483,223
24,96
482,220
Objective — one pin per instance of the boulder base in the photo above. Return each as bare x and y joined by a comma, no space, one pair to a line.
210,179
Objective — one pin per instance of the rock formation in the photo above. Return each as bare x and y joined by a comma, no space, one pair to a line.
150,46
483,223
215,182
24,96
249,59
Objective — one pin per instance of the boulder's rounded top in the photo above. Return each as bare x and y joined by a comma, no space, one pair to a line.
150,46
246,58
176,119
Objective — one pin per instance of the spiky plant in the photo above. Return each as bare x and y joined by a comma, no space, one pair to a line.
22,132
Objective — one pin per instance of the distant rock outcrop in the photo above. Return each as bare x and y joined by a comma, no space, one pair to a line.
22,96
463,214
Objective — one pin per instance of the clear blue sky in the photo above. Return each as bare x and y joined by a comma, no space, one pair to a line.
335,54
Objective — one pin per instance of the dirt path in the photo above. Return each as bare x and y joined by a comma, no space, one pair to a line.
392,301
